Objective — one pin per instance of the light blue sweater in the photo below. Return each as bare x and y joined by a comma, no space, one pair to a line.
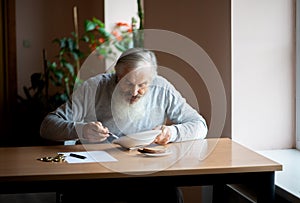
92,102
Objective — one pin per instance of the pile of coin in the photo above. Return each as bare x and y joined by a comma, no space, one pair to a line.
58,158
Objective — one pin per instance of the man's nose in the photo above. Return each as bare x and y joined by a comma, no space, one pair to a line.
134,90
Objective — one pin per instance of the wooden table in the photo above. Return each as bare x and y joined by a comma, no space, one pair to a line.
214,162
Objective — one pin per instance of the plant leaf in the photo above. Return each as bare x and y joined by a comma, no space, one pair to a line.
70,68
89,25
98,22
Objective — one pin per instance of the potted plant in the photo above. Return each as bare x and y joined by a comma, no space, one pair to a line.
60,75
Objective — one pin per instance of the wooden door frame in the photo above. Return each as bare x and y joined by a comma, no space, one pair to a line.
8,74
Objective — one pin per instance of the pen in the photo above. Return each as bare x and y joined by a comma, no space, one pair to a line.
77,156
113,135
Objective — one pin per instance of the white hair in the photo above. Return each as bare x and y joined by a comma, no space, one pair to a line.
136,58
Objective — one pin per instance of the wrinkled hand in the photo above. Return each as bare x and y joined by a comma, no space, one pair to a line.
164,137
95,132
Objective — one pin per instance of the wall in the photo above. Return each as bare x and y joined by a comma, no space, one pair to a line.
39,22
207,23
124,12
8,84
263,73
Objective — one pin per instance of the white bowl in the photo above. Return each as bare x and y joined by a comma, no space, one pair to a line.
138,139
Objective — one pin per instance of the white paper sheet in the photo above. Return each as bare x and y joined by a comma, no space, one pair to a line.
91,156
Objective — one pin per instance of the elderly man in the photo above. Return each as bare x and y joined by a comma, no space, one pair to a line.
133,99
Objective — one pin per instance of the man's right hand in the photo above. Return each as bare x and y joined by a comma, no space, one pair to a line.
95,132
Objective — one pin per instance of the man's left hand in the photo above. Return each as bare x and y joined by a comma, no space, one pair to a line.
164,137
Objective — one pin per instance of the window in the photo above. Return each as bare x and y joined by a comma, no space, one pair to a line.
298,74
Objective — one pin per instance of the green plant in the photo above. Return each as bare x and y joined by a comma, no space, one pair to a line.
107,43
61,74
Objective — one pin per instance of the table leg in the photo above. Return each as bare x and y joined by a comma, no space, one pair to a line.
219,193
266,188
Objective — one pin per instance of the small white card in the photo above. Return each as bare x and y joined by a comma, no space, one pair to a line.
87,157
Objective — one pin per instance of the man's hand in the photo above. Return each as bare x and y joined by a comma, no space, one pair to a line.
95,132
164,137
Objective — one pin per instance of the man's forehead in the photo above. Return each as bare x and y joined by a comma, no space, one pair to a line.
138,74
140,70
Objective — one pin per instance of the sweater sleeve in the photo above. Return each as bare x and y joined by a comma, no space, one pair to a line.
188,124
66,122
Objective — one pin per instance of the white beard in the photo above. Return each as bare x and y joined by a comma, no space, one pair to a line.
126,115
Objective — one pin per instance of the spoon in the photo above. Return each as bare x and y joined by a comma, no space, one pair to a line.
113,135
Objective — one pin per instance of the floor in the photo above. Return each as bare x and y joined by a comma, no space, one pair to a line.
191,195
28,198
